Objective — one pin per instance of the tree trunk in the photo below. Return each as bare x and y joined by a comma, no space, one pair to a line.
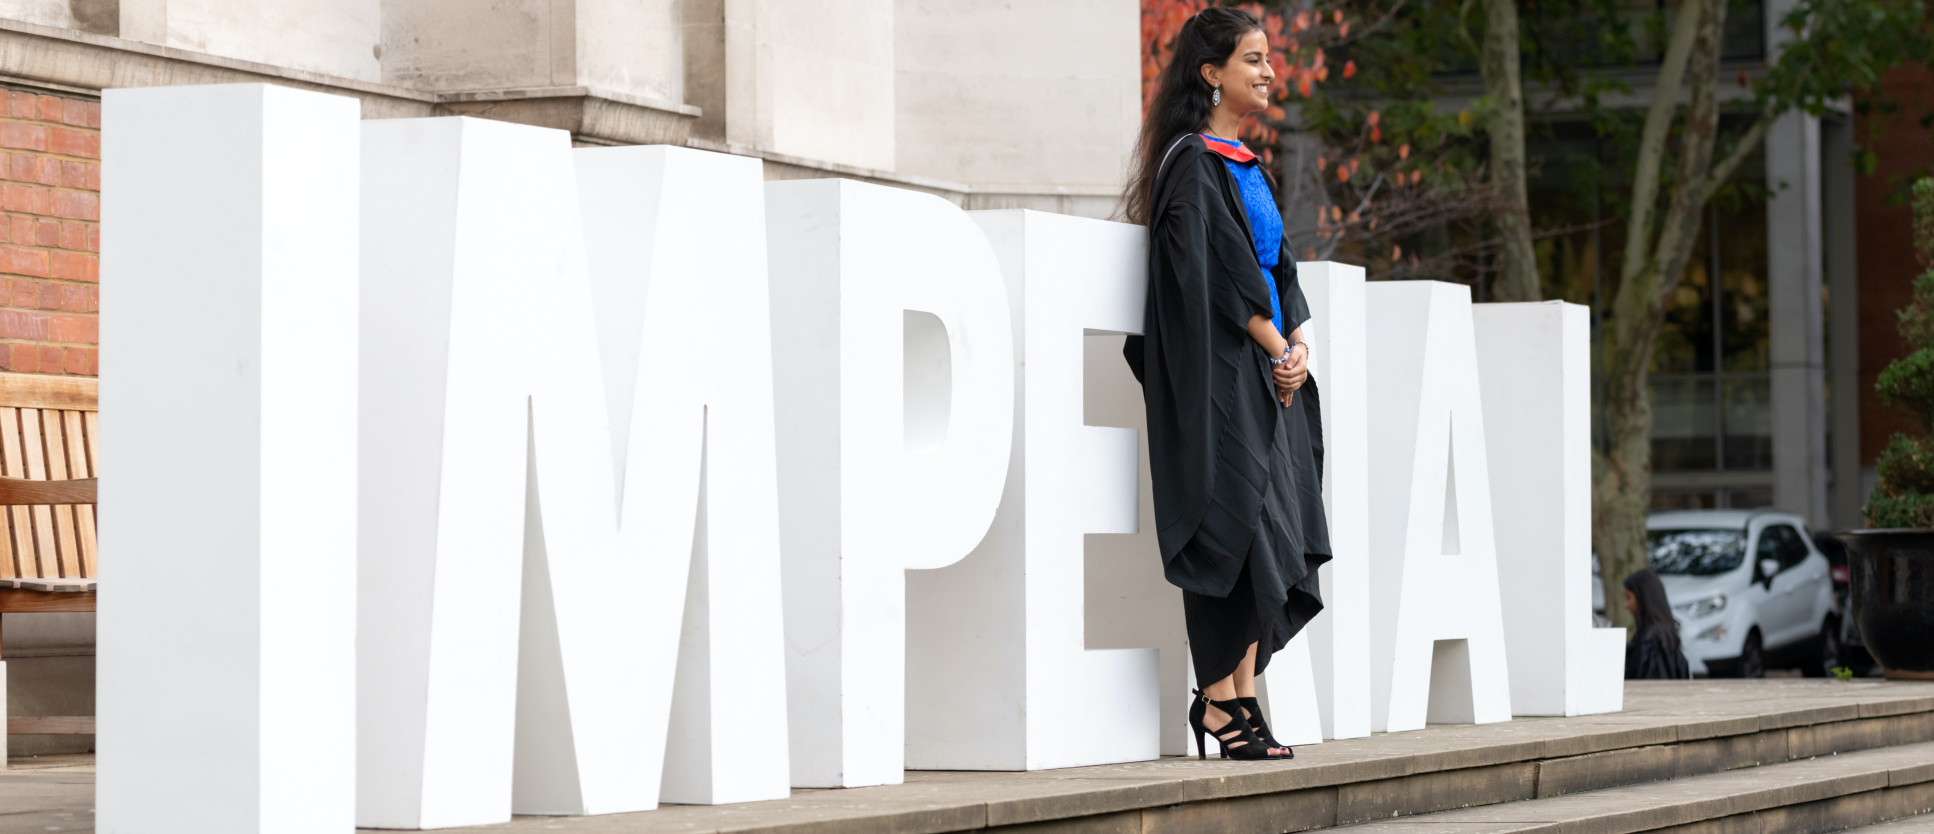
1655,260
1503,84
1622,476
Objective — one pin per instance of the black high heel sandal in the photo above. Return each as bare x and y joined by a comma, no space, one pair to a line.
1253,708
1234,737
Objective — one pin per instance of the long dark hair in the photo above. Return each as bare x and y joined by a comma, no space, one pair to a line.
1655,613
1181,96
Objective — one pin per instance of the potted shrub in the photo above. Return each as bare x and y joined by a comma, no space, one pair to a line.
1892,565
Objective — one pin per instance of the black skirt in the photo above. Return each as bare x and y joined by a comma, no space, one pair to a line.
1275,593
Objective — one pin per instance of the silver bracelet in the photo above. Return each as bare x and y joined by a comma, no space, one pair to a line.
1285,358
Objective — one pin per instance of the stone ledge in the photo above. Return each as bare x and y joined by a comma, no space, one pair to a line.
1415,775
780,166
592,115
68,62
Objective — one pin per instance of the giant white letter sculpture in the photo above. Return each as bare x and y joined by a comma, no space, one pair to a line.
1436,628
895,359
1004,627
526,563
1534,369
1335,682
235,713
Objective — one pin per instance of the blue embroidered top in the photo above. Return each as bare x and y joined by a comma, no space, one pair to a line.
1265,220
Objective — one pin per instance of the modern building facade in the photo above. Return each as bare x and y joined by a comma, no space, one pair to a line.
1751,406
1762,383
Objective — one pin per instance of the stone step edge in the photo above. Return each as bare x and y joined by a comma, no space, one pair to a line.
1505,772
1916,823
1300,796
1633,765
1899,780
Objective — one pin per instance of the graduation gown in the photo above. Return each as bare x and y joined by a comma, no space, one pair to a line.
1647,657
1237,476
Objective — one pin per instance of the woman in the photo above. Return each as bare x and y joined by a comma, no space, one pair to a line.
1234,434
1653,653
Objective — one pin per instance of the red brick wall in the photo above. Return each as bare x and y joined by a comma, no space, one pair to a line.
50,240
1884,237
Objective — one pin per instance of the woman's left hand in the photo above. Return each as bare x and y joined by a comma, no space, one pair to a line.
1291,375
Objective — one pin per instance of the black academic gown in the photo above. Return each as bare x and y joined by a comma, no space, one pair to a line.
1651,656
1237,476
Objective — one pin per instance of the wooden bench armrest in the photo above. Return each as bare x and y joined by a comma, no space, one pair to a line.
20,491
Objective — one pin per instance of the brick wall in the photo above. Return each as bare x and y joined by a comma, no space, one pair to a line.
1884,243
50,234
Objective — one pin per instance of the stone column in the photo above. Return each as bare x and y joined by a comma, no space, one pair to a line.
609,71
333,37
1796,270
1035,93
1843,322
812,79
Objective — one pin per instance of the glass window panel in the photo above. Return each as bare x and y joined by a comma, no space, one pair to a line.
1686,343
1701,552
1744,312
1747,422
1749,499
1792,548
1684,425
1563,196
1745,33
1675,499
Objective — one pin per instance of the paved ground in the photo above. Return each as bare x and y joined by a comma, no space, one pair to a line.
55,793
47,793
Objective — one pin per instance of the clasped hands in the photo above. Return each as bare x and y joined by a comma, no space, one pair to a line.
1291,374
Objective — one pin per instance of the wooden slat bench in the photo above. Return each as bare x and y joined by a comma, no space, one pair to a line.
48,431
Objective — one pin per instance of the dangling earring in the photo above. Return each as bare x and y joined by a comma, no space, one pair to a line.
1215,96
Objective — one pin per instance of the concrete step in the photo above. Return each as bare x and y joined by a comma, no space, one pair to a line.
1669,731
1824,793
1670,735
1917,824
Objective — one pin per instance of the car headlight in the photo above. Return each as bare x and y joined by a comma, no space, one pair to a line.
1704,607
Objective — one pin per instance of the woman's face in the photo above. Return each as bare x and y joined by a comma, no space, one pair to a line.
1245,77
1631,602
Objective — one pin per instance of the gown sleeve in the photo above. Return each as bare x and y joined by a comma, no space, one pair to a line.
1201,273
1295,304
1195,356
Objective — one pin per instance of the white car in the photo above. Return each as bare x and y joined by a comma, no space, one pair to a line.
1749,589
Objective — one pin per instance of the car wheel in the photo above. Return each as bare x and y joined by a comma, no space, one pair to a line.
1752,657
1826,652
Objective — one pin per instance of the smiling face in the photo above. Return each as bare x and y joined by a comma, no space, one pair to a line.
1245,76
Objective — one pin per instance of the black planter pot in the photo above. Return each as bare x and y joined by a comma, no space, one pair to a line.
1892,579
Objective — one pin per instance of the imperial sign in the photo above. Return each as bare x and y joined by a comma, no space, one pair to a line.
573,481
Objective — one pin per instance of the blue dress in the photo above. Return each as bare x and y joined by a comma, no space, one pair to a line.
1265,220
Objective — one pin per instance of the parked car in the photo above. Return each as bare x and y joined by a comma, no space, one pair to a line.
1599,619
1749,589
1853,653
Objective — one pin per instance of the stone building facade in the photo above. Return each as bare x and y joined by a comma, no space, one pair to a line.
1017,103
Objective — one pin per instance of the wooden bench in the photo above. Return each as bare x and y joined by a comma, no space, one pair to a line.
49,428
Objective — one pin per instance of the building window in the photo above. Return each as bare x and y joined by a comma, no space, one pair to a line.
1710,378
